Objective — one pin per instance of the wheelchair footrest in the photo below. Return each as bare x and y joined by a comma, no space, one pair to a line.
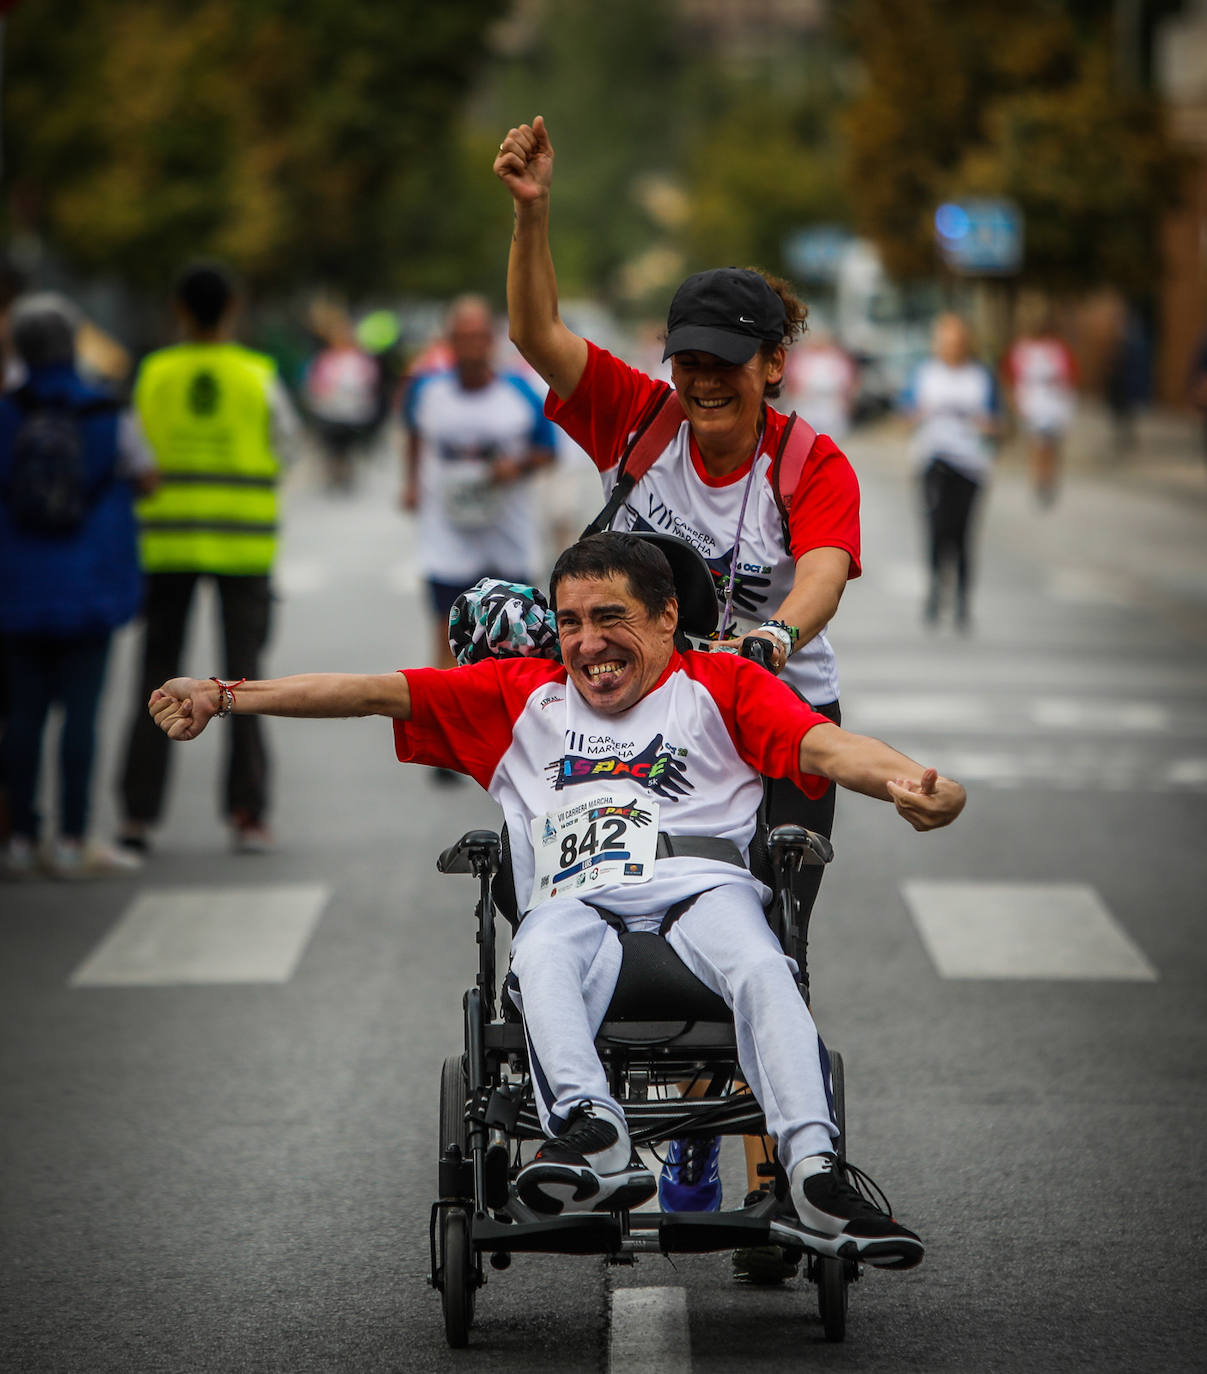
583,1233
696,1232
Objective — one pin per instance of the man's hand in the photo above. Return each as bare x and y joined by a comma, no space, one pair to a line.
525,162
930,803
184,706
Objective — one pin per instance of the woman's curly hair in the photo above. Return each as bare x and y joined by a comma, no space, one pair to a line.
796,313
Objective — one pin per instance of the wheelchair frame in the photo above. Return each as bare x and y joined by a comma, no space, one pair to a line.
487,1112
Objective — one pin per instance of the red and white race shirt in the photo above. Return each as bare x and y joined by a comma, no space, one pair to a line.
1043,373
677,496
694,746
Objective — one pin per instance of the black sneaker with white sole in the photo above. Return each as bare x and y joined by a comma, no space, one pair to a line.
589,1167
841,1210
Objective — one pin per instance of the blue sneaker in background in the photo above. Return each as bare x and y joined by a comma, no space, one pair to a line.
690,1180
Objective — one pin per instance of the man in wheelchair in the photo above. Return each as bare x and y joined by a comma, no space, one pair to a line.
630,776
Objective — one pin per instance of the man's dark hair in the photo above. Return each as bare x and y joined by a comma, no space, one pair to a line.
603,555
205,290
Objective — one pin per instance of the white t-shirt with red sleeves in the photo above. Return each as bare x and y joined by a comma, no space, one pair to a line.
695,747
677,496
1043,374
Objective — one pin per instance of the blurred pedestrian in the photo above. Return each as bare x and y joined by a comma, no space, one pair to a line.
70,460
12,283
342,389
1125,383
474,437
1196,383
954,404
820,380
220,426
1041,377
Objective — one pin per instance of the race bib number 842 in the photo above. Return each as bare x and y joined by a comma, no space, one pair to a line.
591,841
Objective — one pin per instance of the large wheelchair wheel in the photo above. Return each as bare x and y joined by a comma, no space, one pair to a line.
457,1270
459,1278
831,1275
453,1091
838,1085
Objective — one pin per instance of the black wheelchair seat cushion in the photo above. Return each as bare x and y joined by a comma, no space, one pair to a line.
656,985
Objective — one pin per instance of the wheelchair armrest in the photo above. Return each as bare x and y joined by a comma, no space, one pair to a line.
473,845
797,847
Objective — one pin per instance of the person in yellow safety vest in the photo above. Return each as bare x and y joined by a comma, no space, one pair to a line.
220,425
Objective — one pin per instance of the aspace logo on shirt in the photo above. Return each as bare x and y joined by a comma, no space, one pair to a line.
658,767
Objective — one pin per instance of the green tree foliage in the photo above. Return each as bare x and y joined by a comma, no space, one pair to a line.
963,98
302,139
608,79
766,160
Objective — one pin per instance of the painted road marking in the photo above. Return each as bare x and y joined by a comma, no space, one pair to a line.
1077,769
1023,930
975,713
207,935
650,1332
1107,717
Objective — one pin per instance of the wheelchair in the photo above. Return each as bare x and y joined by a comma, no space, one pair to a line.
663,1029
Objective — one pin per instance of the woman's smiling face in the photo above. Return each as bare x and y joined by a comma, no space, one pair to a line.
724,401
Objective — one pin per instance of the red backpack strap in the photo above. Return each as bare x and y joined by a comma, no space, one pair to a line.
796,443
654,432
656,427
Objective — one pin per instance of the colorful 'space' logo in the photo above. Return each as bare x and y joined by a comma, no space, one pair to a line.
657,768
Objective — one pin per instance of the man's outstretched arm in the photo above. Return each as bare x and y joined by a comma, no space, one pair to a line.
184,706
862,764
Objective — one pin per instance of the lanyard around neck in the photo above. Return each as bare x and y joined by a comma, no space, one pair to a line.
737,538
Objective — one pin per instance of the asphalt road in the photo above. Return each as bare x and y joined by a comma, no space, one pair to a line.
235,1173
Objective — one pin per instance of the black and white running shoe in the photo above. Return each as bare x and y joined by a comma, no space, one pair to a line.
841,1210
590,1167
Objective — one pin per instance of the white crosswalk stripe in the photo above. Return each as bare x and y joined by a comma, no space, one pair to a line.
207,935
650,1332
998,930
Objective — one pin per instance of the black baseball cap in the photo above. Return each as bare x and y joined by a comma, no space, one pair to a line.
728,312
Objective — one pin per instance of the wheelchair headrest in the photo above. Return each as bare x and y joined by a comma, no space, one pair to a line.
694,586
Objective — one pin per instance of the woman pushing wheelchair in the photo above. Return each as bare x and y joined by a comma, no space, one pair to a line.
630,729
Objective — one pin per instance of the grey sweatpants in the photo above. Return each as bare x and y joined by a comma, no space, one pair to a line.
566,960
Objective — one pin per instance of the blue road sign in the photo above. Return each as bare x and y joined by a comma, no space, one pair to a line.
980,237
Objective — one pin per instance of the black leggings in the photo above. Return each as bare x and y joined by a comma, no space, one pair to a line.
786,804
947,499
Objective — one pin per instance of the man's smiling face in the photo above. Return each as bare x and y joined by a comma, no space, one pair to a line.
613,649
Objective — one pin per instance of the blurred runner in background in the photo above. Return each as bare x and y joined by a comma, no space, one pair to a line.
474,438
342,394
1041,378
954,405
820,380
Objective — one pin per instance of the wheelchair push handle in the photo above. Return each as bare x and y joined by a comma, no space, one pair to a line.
475,850
792,846
760,651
